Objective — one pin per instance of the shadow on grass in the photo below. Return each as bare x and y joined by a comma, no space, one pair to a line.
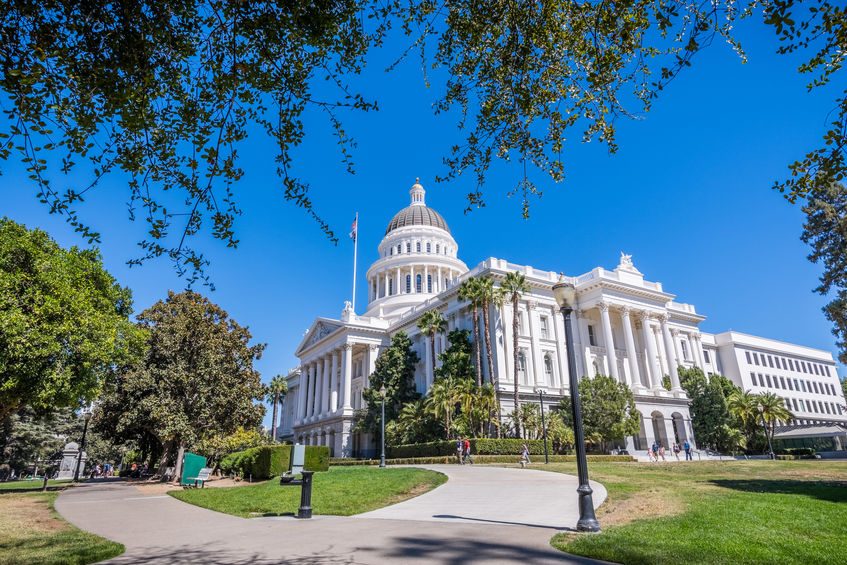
33,489
830,491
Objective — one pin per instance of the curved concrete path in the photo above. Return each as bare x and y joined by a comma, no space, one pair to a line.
481,515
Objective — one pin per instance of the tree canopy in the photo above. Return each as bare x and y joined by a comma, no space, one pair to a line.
64,322
710,417
165,94
608,409
195,381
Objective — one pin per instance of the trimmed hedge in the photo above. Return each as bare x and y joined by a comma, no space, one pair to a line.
798,451
450,459
479,446
268,461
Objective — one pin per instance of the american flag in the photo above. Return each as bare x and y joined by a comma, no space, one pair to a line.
355,229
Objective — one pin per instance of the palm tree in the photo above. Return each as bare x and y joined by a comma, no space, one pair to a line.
442,402
487,399
490,296
773,409
466,396
432,322
470,290
513,287
278,388
743,406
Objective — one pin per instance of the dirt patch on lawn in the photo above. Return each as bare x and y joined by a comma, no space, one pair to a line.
22,513
651,503
415,491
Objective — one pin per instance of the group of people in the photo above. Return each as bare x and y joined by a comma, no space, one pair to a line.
463,450
104,470
657,451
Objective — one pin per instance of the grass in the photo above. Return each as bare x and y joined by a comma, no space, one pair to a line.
736,512
33,485
32,533
341,491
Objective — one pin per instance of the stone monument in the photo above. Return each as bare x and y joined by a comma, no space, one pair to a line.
69,458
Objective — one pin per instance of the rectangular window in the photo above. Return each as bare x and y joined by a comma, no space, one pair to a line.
753,378
429,282
803,385
827,371
815,385
408,247
543,323
591,339
408,284
756,358
438,248
706,356
826,405
802,404
747,353
684,350
790,386
770,361
418,283
791,364
782,383
796,385
418,247
794,403
428,248
768,377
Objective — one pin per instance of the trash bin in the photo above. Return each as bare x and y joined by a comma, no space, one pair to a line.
191,467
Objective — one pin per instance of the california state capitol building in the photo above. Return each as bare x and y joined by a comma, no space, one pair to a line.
625,326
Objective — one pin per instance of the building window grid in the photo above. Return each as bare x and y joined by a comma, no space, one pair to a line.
749,361
543,323
770,361
755,358
782,382
753,378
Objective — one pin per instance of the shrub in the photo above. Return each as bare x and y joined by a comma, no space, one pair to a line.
509,459
317,458
269,460
480,446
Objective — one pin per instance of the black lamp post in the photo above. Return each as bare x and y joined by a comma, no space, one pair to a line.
87,415
565,294
765,427
382,395
543,425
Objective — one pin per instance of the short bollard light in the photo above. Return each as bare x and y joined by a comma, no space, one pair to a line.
305,510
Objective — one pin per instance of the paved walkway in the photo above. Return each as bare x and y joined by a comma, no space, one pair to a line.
481,515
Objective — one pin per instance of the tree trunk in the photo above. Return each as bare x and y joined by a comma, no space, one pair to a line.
477,352
432,354
273,423
515,355
178,469
494,381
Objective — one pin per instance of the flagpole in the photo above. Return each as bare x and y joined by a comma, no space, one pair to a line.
355,253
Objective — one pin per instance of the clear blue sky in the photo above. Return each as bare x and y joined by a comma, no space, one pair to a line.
688,195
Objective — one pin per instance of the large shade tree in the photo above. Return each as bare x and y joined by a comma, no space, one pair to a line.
195,381
165,93
64,322
608,409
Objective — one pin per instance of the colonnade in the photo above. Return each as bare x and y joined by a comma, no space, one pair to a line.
391,281
660,342
326,382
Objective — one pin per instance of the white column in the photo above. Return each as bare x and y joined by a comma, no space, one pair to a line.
373,351
310,398
347,375
582,330
669,349
319,387
325,388
333,398
697,351
677,348
661,349
385,282
561,347
652,355
630,347
534,330
301,393
424,288
607,337
439,282
397,288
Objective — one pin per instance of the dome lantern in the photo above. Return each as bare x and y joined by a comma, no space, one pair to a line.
417,193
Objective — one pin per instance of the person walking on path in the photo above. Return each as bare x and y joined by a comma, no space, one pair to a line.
525,454
676,450
662,452
688,456
459,449
655,451
467,451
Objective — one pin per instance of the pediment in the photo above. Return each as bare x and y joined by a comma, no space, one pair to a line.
319,330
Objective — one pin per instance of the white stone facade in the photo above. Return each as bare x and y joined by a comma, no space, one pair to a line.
624,326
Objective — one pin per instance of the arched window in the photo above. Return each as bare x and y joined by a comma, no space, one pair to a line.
429,282
408,247
408,284
399,248
418,284
428,248
392,250
521,368
548,369
418,247
437,248
390,287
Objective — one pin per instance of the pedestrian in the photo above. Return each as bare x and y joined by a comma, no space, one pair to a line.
467,451
525,453
459,449
687,447
676,450
662,452
655,450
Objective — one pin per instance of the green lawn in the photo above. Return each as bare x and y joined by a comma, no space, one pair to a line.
738,512
32,533
32,485
341,491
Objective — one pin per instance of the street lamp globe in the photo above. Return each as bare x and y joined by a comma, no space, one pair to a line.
761,408
382,391
564,293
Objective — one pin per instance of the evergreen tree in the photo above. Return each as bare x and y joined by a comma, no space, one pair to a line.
395,369
710,416
457,360
608,409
